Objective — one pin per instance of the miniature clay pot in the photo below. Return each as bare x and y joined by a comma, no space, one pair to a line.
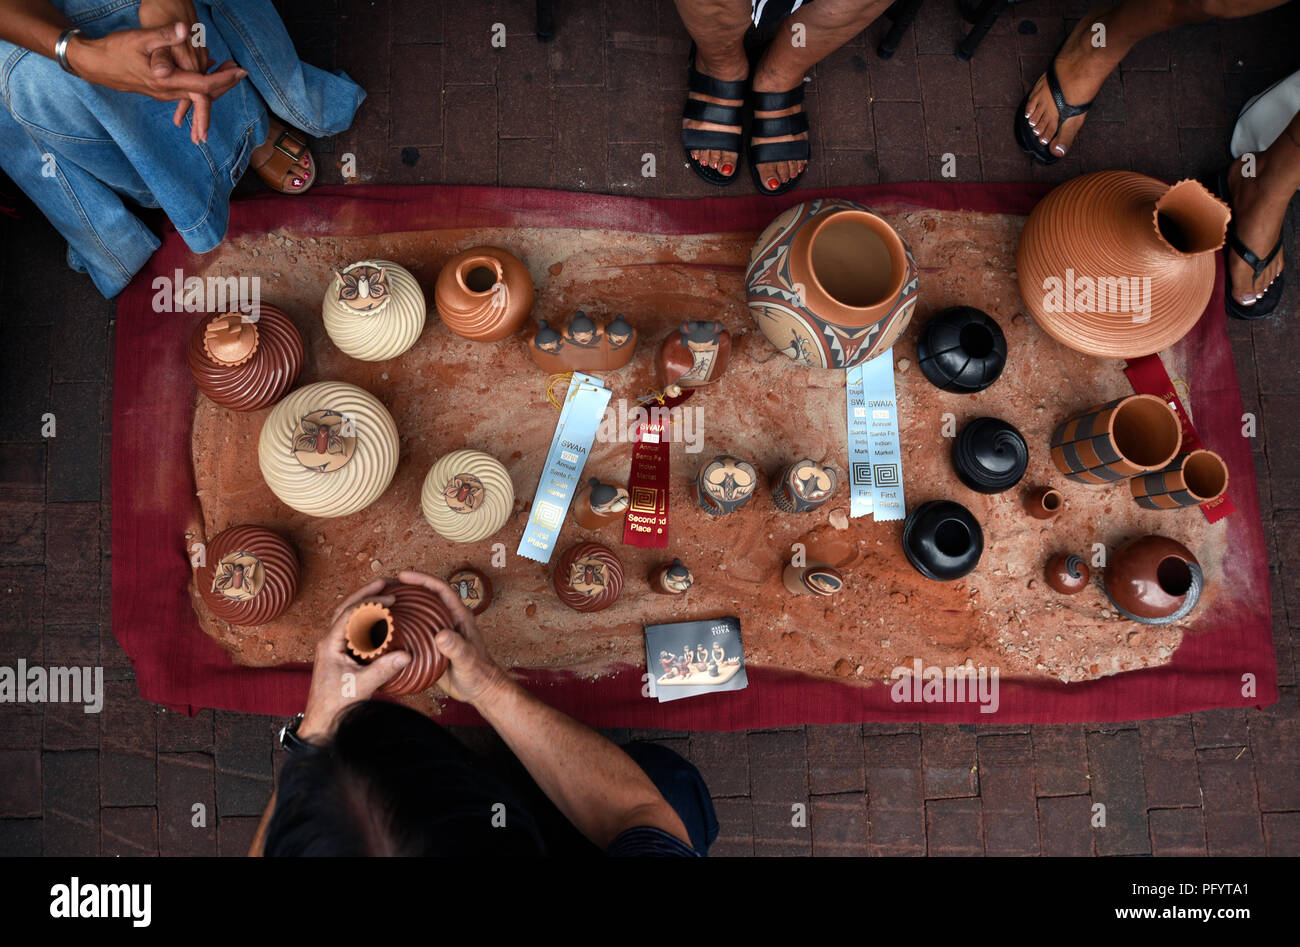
725,484
588,577
962,350
989,455
816,578
1119,265
467,496
693,356
583,346
328,449
1194,477
484,294
597,503
1153,580
1067,573
804,486
473,587
942,540
1117,440
410,624
1044,503
245,365
671,579
373,310
831,284
250,575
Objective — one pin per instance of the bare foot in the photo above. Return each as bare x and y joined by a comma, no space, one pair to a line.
775,173
1257,215
298,174
1082,69
727,70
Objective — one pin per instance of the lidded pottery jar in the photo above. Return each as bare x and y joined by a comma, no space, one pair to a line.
1153,580
467,496
831,284
1119,265
373,310
410,624
328,449
245,365
484,294
588,577
250,576
473,587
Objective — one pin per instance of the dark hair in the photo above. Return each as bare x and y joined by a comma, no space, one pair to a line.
392,782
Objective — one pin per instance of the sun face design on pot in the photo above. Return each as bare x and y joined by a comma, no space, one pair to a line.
323,440
464,493
238,576
363,288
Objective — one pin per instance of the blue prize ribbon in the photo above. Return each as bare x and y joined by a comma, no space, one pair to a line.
882,435
859,444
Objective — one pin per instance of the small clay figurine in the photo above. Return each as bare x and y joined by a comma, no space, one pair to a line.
1044,503
583,346
725,484
718,654
599,503
816,578
803,486
673,579
695,355
473,587
588,577
1067,573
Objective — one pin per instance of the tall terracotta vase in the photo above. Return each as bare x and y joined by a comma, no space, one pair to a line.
410,624
831,284
249,577
1119,265
245,365
484,294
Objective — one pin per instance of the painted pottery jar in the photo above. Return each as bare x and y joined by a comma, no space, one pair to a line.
804,486
597,503
671,579
245,365
1067,573
962,350
942,540
467,496
410,624
484,294
989,455
250,575
328,449
588,577
1044,503
695,355
473,587
815,578
1117,440
725,484
1154,580
373,310
1119,265
1192,478
831,284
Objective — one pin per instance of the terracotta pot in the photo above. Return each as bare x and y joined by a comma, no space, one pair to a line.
373,310
328,449
244,365
1153,580
597,503
962,350
584,345
989,455
1194,477
1119,265
410,624
484,294
831,284
467,496
725,484
588,577
693,356
1067,574
816,578
942,540
1117,440
804,486
250,575
1044,503
473,587
671,579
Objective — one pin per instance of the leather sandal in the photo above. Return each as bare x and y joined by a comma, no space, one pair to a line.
798,150
1025,134
1265,305
696,110
286,151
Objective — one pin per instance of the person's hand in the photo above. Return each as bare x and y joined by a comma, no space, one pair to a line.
189,56
331,692
472,676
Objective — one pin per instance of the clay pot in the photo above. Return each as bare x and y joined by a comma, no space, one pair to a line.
962,350
373,310
725,484
598,503
1044,503
831,284
1153,580
1194,477
410,624
328,449
695,355
250,575
816,578
804,486
484,294
1117,440
244,365
467,496
1119,265
588,577
989,455
473,587
942,540
584,345
671,579
1067,574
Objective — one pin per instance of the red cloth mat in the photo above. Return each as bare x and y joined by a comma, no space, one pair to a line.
154,496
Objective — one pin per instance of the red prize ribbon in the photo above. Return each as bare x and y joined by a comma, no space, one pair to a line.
646,525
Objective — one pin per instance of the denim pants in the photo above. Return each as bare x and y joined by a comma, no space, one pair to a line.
80,151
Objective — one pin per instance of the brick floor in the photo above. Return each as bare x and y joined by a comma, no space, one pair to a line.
582,113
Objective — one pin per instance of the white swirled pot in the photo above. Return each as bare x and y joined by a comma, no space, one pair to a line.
467,496
373,310
328,449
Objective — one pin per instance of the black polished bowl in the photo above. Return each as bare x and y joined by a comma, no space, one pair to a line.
989,455
962,350
942,540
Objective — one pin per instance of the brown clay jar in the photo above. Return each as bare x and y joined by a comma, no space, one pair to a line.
250,575
1044,503
1154,580
410,624
695,355
588,577
484,294
243,365
1067,573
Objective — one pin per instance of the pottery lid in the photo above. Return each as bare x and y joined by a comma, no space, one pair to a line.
229,339
239,576
323,440
363,287
464,493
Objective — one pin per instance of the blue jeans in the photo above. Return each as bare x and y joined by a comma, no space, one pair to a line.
78,150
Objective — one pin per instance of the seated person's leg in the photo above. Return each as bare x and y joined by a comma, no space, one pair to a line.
684,788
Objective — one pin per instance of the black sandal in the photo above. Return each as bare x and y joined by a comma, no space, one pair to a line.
796,124
1025,135
1265,305
699,139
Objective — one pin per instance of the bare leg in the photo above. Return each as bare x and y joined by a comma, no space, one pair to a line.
718,28
1260,203
1083,67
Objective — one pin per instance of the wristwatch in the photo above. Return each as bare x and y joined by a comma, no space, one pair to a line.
289,739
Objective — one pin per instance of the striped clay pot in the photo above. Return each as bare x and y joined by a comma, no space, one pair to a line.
1193,478
1117,440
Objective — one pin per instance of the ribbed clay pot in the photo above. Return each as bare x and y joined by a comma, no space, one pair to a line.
942,540
1117,440
250,575
467,496
989,455
244,365
410,624
831,284
473,587
484,294
1093,247
1194,477
1154,580
373,310
962,350
588,577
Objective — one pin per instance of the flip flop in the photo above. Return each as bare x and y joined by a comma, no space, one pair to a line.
696,110
287,148
1025,135
1265,305
797,150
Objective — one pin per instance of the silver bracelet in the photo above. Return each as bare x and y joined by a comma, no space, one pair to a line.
61,48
